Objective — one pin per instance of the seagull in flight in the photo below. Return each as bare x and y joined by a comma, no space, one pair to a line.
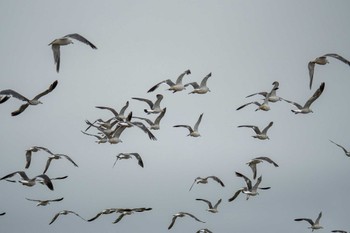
119,116
259,134
129,156
193,132
178,86
272,97
314,225
181,215
154,107
30,182
124,212
64,212
323,61
34,101
212,209
306,108
45,202
156,124
66,40
200,180
202,88
253,162
347,153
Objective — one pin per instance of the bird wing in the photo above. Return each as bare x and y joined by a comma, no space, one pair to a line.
311,67
246,179
54,218
58,199
254,102
235,195
158,84
59,178
293,103
305,219
144,129
119,218
315,95
179,79
258,93
81,39
217,203
267,127
138,157
157,120
33,200
336,56
340,146
193,84
14,94
253,167
198,122
47,91
69,158
217,180
28,158
255,128
145,119
47,165
97,215
150,103
110,109
318,218
267,159
3,99
21,173
56,56
122,111
172,222
185,126
192,184
206,201
204,81
191,215
255,187
47,180
44,149
20,110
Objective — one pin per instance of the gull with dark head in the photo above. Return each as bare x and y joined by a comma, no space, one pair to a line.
193,132
262,135
253,162
323,61
212,209
34,101
66,40
45,202
314,225
178,86
121,156
202,88
181,215
200,180
154,107
30,182
306,108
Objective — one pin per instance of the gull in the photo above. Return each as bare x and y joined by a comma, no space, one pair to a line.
155,107
323,61
154,125
205,230
253,162
51,157
64,212
41,181
314,225
124,212
193,132
100,138
105,211
272,94
121,115
200,180
259,134
178,86
200,89
129,156
66,40
44,202
347,153
212,209
249,190
30,182
181,215
34,101
306,108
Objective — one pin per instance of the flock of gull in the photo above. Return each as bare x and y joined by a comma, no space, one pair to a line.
110,131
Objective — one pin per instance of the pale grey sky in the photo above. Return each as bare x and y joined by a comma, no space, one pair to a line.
245,44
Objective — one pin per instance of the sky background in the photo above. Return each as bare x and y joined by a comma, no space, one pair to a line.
246,45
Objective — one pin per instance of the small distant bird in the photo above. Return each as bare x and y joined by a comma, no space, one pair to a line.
272,97
30,182
181,215
193,132
129,156
262,135
124,212
306,108
200,180
323,61
64,212
34,101
105,211
253,162
156,124
44,202
202,88
154,107
212,209
205,230
347,153
314,225
249,190
178,86
66,40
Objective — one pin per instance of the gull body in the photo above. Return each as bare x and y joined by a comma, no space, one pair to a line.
193,132
204,180
314,225
175,87
262,135
34,101
212,209
66,40
202,88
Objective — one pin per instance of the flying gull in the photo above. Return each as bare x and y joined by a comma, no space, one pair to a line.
156,124
178,86
306,108
66,40
200,180
212,209
121,115
314,225
34,101
253,162
323,61
193,132
154,107
200,89
272,97
30,182
129,156
181,215
64,212
44,202
259,134
124,212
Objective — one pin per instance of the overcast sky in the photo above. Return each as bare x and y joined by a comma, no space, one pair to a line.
246,45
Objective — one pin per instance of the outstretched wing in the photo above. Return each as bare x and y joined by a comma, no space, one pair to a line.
315,95
47,91
81,39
